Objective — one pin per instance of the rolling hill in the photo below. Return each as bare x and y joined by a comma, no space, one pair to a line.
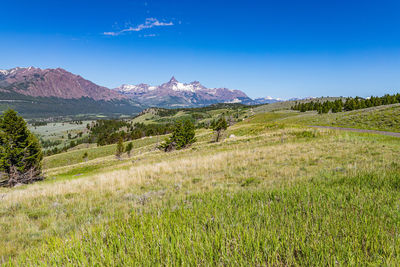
272,192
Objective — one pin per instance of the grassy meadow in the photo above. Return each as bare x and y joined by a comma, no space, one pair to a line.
273,192
381,118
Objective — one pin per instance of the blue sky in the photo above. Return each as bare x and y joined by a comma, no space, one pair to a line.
278,48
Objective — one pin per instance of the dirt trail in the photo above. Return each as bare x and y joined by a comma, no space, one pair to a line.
359,130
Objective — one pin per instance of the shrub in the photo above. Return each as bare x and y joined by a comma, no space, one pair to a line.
306,134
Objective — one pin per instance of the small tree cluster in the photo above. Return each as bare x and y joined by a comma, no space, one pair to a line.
54,149
20,151
183,135
121,148
105,132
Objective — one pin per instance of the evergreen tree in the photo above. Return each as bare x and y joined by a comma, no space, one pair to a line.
212,124
219,126
128,148
337,106
20,150
120,148
189,132
325,107
183,135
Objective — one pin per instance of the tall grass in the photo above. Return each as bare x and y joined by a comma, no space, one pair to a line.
269,196
331,220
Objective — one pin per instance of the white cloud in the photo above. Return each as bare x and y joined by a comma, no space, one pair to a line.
148,24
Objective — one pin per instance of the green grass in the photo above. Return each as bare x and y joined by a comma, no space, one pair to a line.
58,129
330,220
76,156
382,118
275,194
270,117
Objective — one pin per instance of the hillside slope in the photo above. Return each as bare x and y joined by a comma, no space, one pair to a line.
381,118
270,194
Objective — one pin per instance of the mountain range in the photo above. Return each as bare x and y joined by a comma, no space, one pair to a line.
32,89
177,94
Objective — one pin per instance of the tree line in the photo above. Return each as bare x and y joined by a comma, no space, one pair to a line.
349,104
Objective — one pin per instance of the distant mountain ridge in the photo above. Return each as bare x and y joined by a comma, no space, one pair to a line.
58,83
46,93
45,87
177,94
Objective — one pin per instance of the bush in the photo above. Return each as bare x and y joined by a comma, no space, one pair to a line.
306,134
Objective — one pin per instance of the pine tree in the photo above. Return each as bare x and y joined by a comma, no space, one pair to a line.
220,125
20,150
129,148
183,135
120,148
189,133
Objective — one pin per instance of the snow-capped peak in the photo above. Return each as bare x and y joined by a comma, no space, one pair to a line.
193,93
127,87
183,87
234,101
173,80
272,98
4,72
173,85
15,70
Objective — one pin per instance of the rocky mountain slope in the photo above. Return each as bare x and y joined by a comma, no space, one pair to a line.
57,83
47,93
